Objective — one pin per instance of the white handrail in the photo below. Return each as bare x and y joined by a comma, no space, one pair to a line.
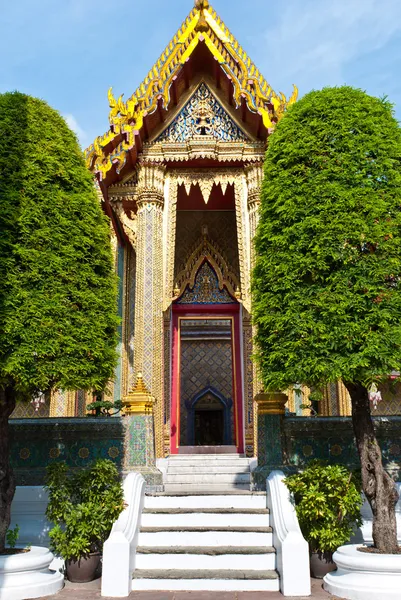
120,549
291,548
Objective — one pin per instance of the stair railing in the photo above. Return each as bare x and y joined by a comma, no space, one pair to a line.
119,550
292,549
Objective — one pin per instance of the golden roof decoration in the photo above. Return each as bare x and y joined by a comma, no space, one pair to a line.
202,24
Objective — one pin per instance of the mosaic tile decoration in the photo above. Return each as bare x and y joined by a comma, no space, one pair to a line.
332,439
206,289
303,439
203,364
120,274
26,410
35,443
222,228
202,115
139,441
131,317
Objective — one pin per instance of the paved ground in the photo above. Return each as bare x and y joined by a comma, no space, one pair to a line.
91,591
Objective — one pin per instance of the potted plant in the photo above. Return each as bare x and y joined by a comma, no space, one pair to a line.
83,506
327,502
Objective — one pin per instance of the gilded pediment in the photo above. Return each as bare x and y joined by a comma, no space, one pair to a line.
202,116
202,45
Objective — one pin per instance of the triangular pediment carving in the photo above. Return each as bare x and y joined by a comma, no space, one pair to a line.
203,116
206,274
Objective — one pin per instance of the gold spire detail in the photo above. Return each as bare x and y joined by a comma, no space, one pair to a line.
139,400
202,25
201,4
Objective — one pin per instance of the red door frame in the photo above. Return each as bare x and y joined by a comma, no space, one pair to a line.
216,311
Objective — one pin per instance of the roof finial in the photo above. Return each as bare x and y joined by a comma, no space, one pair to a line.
200,4
202,25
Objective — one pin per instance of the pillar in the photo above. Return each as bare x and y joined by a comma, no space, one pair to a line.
254,178
271,455
139,437
148,358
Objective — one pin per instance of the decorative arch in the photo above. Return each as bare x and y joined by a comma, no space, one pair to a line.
226,404
207,252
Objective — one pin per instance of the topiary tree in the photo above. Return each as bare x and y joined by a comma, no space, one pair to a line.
326,285
58,307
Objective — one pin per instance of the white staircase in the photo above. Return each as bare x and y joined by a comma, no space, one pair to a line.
207,531
212,473
206,542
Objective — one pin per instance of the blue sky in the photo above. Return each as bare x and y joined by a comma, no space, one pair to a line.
69,52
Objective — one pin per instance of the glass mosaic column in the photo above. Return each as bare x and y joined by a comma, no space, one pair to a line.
139,434
254,178
270,407
148,358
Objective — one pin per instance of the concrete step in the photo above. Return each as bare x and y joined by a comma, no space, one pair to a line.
205,488
170,538
181,458
216,459
205,520
205,450
209,470
246,500
207,580
171,560
208,478
222,511
206,550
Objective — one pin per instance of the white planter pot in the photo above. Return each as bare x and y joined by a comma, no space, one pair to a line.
364,576
28,575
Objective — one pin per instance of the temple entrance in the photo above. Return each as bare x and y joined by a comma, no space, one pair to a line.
209,416
209,428
206,395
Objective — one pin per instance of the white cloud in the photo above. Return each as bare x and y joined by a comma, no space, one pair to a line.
73,124
314,40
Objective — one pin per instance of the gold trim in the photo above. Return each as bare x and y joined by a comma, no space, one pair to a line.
205,249
139,401
126,118
271,403
233,350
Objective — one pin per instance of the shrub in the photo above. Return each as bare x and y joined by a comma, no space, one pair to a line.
83,507
328,502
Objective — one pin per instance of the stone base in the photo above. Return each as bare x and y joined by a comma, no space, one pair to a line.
152,476
364,576
27,575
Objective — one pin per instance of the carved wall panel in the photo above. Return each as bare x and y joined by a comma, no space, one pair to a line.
221,228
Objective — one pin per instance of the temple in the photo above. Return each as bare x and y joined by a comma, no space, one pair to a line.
179,174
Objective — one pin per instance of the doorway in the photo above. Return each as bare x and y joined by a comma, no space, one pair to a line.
206,407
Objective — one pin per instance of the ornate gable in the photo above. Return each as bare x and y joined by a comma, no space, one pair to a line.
202,37
206,289
203,115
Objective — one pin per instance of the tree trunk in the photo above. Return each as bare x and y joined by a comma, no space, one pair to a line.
377,485
7,482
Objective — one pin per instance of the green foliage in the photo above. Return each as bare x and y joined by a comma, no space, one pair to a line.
328,502
102,408
326,284
83,507
58,293
12,536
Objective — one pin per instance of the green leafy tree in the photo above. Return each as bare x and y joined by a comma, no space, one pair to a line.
326,284
58,308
